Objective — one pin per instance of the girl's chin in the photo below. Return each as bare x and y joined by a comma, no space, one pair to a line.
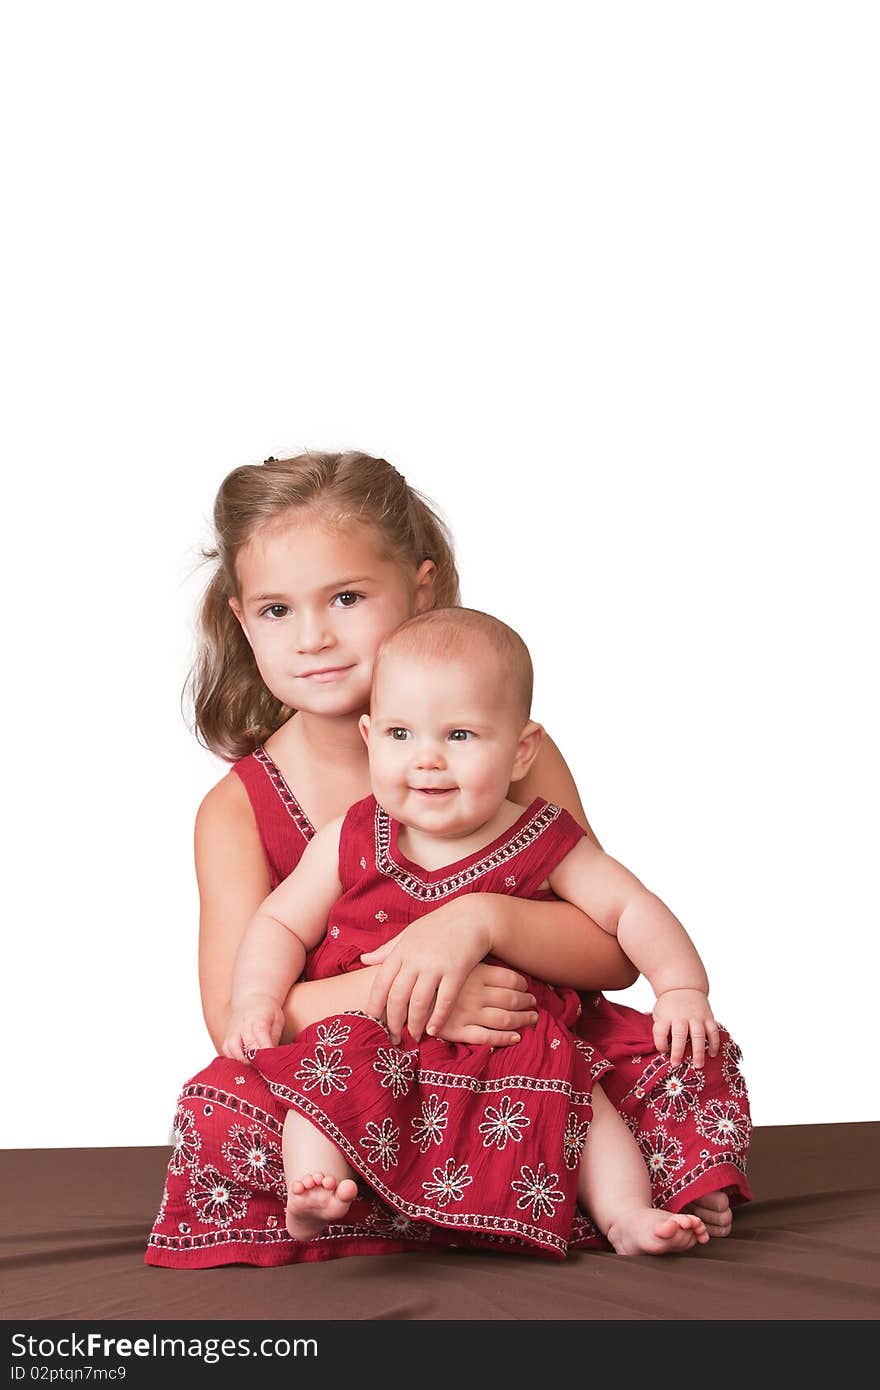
325,700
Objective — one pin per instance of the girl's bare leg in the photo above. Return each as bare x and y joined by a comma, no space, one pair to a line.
613,1185
320,1186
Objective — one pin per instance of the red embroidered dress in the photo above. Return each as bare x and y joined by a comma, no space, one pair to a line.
224,1195
460,1139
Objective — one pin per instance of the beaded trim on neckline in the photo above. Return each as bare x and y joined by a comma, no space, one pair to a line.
291,805
418,887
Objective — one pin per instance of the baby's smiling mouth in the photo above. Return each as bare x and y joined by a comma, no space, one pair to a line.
433,791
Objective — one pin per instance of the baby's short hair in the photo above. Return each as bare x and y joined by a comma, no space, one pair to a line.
442,633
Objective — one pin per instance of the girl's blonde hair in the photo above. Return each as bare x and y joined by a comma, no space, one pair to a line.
233,710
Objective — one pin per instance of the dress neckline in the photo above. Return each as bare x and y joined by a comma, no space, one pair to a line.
291,805
495,849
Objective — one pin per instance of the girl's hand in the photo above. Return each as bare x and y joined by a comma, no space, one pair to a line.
686,1012
493,1007
423,969
255,1022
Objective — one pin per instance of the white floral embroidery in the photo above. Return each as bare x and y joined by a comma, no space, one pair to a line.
363,862
333,1034
388,1222
239,1081
677,1093
160,1215
574,1139
186,1140
584,1048
731,1067
449,1183
663,1154
396,1069
724,1123
334,932
381,1143
429,1126
506,1121
218,1200
381,916
510,881
554,1044
324,1071
538,1191
253,1159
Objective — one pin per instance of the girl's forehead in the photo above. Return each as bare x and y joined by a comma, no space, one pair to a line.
306,555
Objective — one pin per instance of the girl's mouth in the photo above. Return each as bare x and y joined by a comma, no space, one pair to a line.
330,674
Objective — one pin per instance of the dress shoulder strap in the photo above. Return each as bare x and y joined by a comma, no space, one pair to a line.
357,842
557,833
282,825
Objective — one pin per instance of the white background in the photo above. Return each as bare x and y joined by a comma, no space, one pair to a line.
602,280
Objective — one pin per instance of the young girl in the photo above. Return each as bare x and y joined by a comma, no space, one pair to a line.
318,559
476,1139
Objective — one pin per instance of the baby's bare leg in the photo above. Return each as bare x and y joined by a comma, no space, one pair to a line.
320,1186
614,1187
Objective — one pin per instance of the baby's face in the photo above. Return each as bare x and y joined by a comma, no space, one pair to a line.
442,739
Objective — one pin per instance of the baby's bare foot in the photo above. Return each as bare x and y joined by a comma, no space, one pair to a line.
646,1231
713,1208
316,1199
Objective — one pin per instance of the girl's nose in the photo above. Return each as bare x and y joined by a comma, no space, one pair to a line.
312,634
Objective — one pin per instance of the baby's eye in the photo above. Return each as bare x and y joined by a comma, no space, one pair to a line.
460,735
399,735
275,610
347,599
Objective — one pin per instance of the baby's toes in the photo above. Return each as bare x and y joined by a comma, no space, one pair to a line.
693,1223
347,1190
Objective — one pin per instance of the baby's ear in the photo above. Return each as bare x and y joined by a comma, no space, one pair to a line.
527,749
364,726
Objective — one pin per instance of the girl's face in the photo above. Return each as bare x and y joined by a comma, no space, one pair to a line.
316,603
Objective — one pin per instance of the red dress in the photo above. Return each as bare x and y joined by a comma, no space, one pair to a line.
464,1140
224,1196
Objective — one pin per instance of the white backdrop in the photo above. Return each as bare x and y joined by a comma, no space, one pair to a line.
602,281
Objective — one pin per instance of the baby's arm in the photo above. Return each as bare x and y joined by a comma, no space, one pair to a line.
652,937
273,949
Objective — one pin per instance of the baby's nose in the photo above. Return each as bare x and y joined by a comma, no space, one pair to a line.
429,755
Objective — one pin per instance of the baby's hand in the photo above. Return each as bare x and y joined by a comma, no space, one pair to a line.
685,1011
422,970
256,1021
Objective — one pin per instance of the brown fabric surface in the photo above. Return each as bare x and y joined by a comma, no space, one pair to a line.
806,1248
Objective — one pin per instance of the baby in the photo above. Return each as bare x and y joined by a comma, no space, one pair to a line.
448,733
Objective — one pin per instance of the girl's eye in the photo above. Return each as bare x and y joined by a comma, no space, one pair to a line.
347,599
273,610
399,735
460,735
